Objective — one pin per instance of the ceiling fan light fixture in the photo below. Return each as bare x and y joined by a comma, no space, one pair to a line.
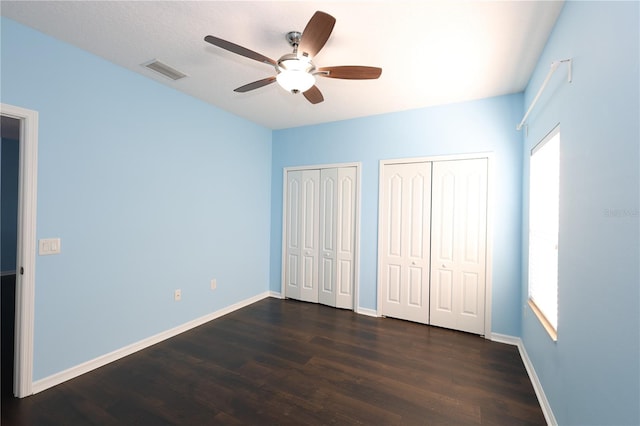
295,81
295,73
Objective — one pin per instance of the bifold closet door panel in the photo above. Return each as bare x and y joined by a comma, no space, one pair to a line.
337,236
405,239
346,237
328,238
458,248
302,222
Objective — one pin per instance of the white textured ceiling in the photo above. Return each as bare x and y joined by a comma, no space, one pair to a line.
431,52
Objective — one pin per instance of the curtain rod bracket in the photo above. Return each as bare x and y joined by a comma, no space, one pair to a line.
554,67
569,63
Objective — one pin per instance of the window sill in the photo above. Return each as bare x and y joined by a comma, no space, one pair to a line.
545,322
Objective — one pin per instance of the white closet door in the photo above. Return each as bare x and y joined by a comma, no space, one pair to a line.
301,274
292,223
328,239
405,238
320,230
337,236
346,237
458,251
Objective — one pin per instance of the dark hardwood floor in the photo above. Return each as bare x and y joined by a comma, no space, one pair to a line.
287,362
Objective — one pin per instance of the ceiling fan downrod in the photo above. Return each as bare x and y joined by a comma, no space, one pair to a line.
293,37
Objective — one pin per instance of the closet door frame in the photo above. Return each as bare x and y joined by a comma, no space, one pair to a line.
356,260
489,156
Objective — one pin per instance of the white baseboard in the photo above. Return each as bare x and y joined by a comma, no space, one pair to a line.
85,367
276,294
504,338
531,371
367,312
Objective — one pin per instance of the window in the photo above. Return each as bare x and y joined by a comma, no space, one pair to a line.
544,200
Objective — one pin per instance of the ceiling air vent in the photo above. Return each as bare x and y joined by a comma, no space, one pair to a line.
164,69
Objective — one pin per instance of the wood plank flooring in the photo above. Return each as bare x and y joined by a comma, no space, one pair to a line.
281,362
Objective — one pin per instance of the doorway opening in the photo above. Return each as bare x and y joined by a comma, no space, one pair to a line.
10,128
21,126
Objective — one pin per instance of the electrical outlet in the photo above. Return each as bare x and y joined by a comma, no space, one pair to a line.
214,284
177,295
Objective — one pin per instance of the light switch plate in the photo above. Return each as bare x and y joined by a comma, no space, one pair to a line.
47,246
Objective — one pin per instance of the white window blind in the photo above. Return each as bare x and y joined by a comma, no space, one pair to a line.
544,211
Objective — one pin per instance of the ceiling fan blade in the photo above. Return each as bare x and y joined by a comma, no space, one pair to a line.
243,51
314,95
255,85
316,33
350,72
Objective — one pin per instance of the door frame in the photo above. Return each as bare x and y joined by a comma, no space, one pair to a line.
26,247
356,261
489,156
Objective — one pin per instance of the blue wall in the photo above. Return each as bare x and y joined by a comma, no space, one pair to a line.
9,213
134,178
149,190
591,376
483,126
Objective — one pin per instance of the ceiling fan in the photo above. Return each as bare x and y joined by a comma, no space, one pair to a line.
296,72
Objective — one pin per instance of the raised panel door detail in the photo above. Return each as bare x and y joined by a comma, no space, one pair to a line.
309,268
346,232
310,197
292,212
346,236
293,270
310,215
394,208
328,209
443,291
470,294
347,214
326,285
416,287
345,278
405,238
328,234
416,231
442,209
393,285
458,258
292,221
473,226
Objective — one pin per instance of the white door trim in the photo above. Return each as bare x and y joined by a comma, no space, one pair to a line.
490,206
356,278
26,247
